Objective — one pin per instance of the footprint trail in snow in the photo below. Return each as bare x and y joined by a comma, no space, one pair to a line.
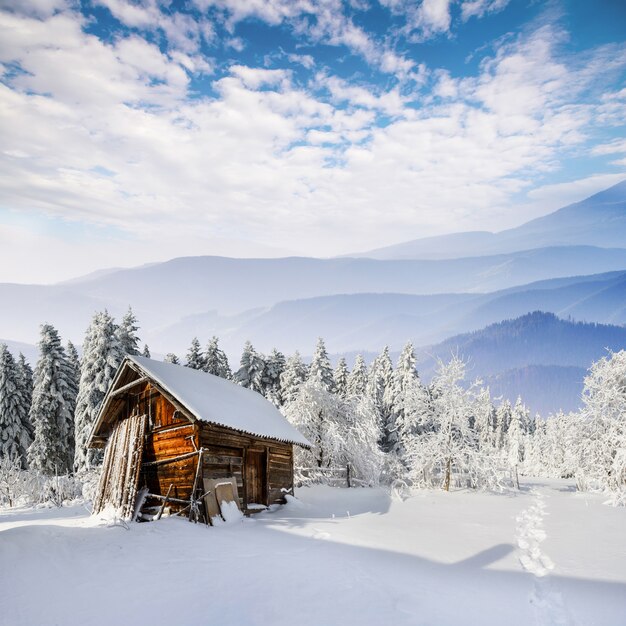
548,604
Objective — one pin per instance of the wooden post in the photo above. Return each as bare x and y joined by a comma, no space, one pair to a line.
193,512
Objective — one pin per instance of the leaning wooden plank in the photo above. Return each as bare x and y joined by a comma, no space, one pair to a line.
167,495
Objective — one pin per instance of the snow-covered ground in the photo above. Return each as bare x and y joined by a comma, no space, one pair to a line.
546,556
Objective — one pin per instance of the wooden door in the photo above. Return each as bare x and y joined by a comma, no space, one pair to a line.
255,477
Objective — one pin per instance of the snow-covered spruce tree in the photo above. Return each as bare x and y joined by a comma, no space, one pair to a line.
504,414
146,351
602,455
170,357
274,367
216,361
379,379
292,378
340,378
251,369
102,355
127,333
195,358
52,409
14,422
356,385
25,372
534,446
74,361
403,378
320,368
515,439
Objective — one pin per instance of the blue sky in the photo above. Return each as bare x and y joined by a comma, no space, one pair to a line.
139,131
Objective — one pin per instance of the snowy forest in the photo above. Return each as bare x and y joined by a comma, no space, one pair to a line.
378,424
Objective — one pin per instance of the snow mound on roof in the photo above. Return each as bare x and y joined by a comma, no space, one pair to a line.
219,401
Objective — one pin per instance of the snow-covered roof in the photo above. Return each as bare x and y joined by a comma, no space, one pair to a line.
218,401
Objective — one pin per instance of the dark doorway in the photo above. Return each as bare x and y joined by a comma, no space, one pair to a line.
255,477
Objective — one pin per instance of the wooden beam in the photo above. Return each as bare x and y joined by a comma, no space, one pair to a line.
174,459
125,388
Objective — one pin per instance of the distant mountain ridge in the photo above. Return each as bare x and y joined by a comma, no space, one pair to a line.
537,356
537,338
599,220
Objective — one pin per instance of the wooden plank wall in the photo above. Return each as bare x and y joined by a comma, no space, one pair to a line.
168,437
280,471
226,456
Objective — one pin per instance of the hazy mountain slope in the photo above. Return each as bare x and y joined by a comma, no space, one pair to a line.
29,350
198,284
366,322
599,220
535,339
544,388
163,294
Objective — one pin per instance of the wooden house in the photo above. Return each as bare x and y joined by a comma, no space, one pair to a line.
171,434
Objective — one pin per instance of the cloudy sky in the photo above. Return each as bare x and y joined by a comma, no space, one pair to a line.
133,132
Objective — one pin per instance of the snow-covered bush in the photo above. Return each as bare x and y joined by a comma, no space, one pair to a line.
11,480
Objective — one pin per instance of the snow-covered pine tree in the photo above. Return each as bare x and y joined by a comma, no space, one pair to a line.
404,376
146,351
340,378
251,369
102,355
274,367
379,379
195,358
127,333
170,357
14,422
216,361
356,385
292,378
515,438
52,409
26,388
504,414
74,361
320,368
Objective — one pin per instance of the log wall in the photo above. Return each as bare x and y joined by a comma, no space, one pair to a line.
171,434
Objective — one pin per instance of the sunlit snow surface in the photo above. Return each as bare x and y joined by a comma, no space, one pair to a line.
547,556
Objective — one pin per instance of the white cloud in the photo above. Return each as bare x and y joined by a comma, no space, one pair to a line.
480,8
35,8
105,133
181,31
612,147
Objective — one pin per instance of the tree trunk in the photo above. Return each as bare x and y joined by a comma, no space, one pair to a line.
446,482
